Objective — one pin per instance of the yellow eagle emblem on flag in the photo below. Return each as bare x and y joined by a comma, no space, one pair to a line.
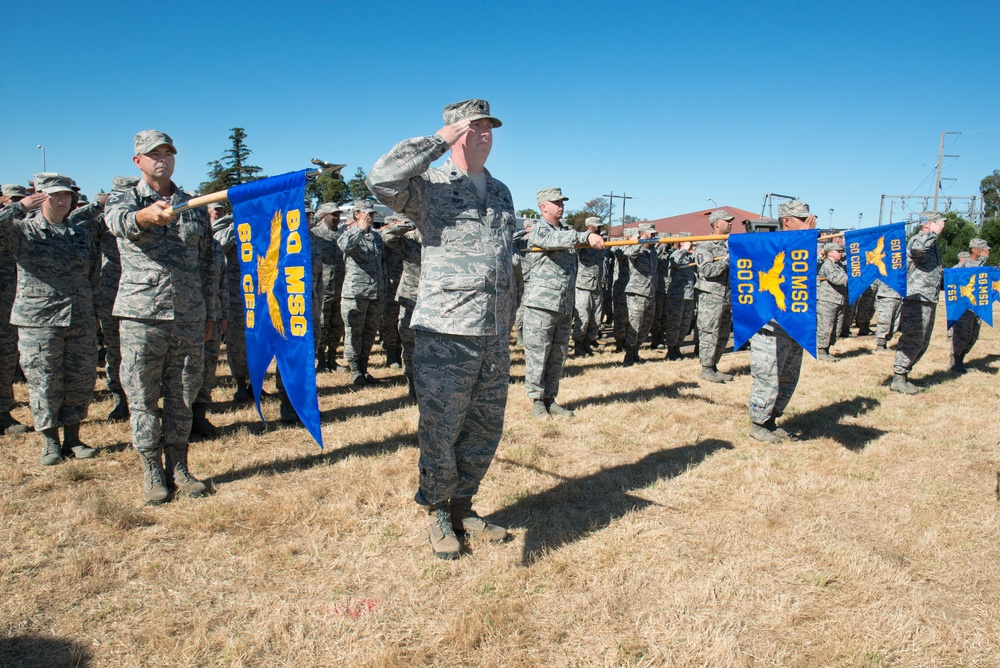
771,280
267,274
969,290
876,256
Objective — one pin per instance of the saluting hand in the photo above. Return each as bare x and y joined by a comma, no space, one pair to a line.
157,213
33,201
452,133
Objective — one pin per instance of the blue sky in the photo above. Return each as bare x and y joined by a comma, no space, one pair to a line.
672,103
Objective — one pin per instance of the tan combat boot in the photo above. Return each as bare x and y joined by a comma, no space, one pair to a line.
154,485
444,542
466,521
177,472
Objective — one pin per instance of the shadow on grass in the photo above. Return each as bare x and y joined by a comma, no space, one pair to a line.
856,352
578,507
738,370
984,364
671,391
825,421
579,368
326,457
43,652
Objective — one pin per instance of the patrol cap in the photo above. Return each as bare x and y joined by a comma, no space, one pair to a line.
309,207
363,206
833,246
327,207
389,216
647,227
472,110
979,243
124,182
82,199
147,140
551,195
720,214
684,234
793,208
14,190
594,221
926,216
50,182
217,205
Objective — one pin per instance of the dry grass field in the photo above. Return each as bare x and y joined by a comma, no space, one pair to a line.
649,530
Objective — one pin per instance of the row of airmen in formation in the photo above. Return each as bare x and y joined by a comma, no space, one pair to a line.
164,290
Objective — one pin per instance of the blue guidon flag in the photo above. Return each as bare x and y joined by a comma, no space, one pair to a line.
969,289
994,284
876,253
272,234
773,277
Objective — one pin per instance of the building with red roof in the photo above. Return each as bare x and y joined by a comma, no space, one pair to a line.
695,222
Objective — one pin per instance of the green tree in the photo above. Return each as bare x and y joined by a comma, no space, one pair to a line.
989,187
955,237
357,187
600,207
527,213
325,188
991,232
233,167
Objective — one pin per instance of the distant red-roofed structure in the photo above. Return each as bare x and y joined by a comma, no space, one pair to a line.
695,222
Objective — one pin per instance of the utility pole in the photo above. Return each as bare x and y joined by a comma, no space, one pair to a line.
941,156
612,197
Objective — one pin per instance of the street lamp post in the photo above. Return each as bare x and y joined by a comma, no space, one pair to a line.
829,223
860,216
709,199
43,157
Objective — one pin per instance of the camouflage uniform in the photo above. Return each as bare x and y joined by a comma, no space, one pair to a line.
923,284
331,282
461,359
406,239
639,292
58,276
831,302
548,300
680,297
210,378
887,303
618,298
588,305
715,309
363,294
389,328
165,295
8,332
775,363
659,318
864,310
521,263
965,331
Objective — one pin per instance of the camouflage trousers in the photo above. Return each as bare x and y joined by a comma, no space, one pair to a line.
829,318
546,343
210,377
916,324
389,329
8,357
60,365
679,314
715,322
658,318
236,342
640,318
620,318
844,323
406,335
331,331
113,347
964,334
587,311
888,318
516,312
461,384
775,363
865,309
161,359
361,320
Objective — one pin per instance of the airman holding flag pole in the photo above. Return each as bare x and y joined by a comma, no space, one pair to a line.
923,286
